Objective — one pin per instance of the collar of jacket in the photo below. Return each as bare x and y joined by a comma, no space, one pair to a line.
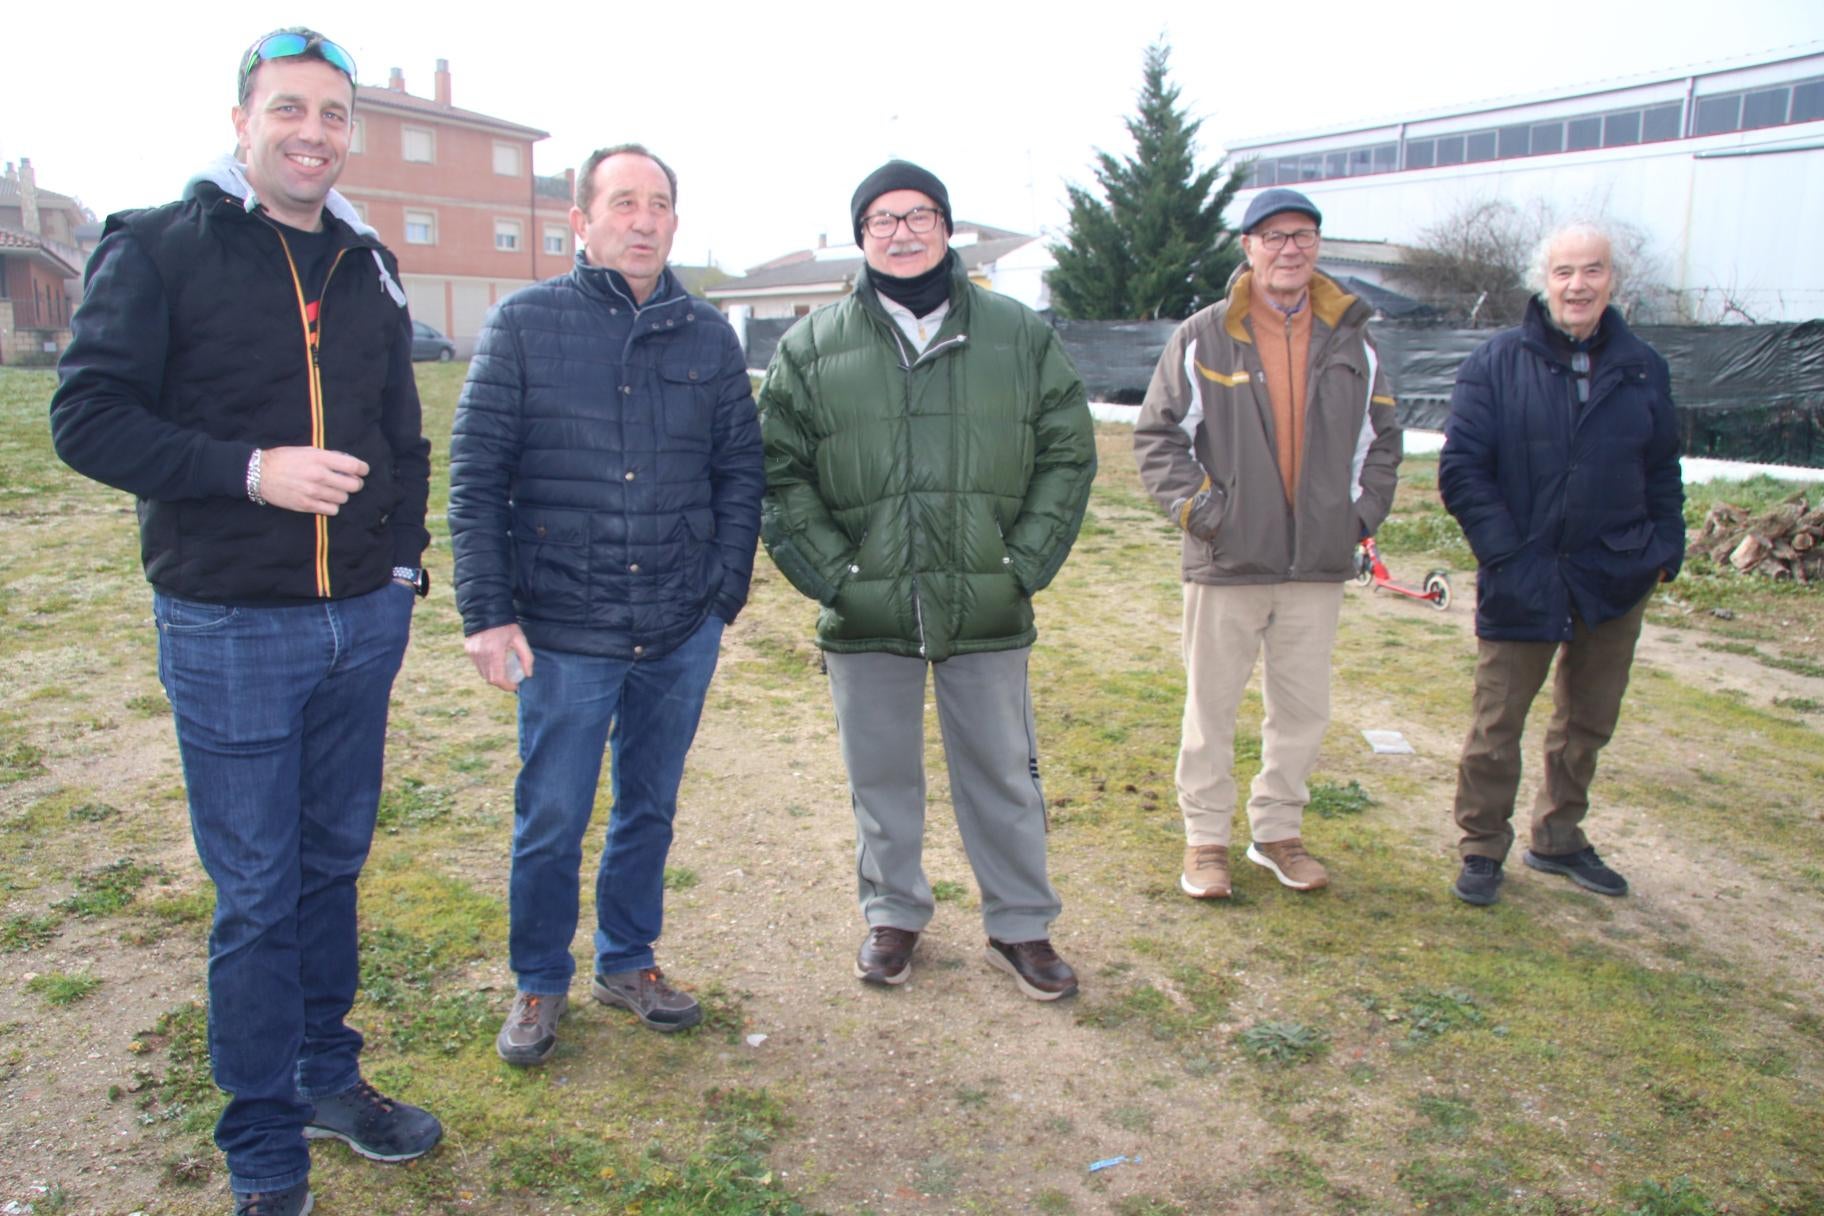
611,287
1330,304
1612,336
959,294
212,198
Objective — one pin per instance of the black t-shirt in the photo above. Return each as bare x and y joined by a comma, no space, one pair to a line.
311,252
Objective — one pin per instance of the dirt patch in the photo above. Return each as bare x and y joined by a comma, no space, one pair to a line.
1682,885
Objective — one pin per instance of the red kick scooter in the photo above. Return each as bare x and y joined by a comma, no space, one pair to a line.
1370,570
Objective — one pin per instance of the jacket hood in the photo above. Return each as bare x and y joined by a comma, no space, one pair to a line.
229,176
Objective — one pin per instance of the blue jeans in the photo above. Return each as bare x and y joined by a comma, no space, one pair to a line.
645,713
281,722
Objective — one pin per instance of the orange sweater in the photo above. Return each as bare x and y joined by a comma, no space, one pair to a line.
1285,352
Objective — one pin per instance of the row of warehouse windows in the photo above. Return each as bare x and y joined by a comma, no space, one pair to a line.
1718,114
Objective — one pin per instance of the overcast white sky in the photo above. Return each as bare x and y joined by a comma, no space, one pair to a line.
772,112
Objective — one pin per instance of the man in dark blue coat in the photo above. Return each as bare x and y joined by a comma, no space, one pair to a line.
1561,464
605,482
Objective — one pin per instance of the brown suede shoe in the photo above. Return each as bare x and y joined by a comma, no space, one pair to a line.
1035,967
1290,863
1206,871
886,956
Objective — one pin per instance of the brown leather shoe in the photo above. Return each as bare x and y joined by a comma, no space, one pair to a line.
1206,871
1035,967
1290,863
886,956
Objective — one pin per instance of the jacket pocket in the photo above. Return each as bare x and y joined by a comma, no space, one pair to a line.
1513,592
551,563
1625,565
688,401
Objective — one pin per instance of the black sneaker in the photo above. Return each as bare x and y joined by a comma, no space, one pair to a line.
374,1125
1479,882
1582,867
292,1201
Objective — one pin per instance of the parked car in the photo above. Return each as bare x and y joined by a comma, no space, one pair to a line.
427,343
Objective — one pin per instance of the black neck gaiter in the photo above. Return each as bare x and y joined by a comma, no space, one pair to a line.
919,294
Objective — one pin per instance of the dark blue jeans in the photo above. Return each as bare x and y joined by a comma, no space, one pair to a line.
281,721
645,713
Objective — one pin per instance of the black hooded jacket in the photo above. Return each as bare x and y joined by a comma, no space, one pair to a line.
192,347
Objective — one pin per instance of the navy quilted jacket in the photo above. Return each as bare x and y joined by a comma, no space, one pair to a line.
605,468
1570,510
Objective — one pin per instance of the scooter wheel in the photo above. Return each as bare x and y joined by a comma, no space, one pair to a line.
1364,569
1437,589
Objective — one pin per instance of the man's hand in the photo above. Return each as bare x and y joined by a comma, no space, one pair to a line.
311,480
489,649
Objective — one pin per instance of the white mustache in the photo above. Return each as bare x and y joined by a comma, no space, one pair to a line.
905,247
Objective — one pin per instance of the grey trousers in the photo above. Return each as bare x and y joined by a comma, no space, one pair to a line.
1592,675
984,710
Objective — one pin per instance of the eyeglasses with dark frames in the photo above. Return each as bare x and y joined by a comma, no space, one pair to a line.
1275,240
883,224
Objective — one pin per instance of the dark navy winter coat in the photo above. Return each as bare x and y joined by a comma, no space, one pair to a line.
605,468
1572,510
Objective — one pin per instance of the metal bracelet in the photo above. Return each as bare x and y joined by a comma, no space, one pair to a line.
253,478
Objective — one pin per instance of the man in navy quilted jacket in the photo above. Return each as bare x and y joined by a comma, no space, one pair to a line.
1561,463
605,482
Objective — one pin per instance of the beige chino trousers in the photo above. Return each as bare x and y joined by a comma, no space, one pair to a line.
1225,629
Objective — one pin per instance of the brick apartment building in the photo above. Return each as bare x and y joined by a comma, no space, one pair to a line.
40,267
453,194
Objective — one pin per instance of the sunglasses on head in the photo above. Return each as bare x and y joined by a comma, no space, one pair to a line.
289,45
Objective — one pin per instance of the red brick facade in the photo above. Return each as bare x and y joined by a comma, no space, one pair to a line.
452,193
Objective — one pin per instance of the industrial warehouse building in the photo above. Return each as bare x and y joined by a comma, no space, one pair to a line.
1722,167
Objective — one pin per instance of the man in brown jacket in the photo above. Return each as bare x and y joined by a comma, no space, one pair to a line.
1268,434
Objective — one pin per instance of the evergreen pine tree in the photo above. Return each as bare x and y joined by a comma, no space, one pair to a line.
1154,247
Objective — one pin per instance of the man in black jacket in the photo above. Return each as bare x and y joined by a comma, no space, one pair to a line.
241,362
605,481
1561,464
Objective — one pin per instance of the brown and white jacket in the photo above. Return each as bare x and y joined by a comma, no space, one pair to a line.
1204,440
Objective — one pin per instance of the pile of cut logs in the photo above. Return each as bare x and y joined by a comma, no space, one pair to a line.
1785,542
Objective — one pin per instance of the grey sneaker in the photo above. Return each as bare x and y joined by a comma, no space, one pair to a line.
652,1000
292,1201
374,1125
529,1035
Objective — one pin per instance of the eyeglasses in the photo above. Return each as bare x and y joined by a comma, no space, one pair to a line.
1304,238
289,44
882,224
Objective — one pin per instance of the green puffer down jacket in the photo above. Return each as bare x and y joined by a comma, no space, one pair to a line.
924,499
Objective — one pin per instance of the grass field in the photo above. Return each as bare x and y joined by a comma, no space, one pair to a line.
1378,1047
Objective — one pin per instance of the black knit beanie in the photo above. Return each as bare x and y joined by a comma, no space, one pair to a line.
900,175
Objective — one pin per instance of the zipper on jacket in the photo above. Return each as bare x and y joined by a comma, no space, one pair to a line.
318,424
905,365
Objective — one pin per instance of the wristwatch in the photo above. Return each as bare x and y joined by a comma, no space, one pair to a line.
417,576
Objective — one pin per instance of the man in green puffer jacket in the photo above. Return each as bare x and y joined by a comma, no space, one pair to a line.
929,454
